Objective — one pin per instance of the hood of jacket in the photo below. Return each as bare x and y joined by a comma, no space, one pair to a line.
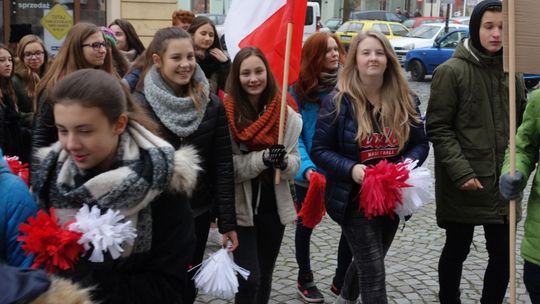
466,51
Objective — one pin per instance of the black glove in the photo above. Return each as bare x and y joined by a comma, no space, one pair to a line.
276,157
509,186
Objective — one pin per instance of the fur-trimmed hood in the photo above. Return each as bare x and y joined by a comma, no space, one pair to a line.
64,291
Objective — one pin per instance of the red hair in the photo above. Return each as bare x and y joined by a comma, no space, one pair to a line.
311,67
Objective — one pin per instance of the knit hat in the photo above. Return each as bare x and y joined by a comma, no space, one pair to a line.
108,34
476,21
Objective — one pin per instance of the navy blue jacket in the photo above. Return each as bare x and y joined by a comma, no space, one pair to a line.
335,150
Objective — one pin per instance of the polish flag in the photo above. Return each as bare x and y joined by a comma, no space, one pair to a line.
263,24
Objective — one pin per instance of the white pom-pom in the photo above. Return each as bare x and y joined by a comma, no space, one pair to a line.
420,192
217,275
104,232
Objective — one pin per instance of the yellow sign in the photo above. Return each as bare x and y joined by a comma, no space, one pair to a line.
58,21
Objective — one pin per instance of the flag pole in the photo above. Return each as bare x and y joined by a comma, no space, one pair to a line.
284,86
512,142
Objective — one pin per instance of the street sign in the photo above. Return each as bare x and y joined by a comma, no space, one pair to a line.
57,22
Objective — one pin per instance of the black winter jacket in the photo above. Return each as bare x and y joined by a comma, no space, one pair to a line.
335,150
215,185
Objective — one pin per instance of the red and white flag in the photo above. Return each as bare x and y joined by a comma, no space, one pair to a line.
263,23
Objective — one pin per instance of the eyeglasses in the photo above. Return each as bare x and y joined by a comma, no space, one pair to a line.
36,54
96,46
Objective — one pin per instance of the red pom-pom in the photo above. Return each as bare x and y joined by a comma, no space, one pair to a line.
381,188
52,246
313,209
17,167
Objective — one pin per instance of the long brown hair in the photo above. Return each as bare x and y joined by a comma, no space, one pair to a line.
6,85
313,58
132,39
96,88
200,21
243,109
397,107
27,75
70,58
158,46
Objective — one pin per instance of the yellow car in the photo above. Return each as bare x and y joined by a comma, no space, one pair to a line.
349,29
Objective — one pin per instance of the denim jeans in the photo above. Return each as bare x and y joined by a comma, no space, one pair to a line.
531,277
458,242
257,252
302,242
369,241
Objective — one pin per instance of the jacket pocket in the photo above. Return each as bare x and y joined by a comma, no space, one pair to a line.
483,164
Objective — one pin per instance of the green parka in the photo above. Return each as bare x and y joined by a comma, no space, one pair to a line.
527,147
467,122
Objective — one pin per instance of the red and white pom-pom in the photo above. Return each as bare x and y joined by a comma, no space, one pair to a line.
217,275
53,247
420,191
381,188
313,208
105,232
18,168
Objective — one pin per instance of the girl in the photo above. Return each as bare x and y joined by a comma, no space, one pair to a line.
322,55
262,208
214,63
107,157
31,64
371,117
14,139
128,42
84,47
174,90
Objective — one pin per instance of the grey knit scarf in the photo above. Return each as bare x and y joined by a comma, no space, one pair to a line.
178,114
143,168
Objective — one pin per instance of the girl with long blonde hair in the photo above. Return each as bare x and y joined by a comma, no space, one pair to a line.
373,116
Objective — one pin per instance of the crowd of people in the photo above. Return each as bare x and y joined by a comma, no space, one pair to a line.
177,138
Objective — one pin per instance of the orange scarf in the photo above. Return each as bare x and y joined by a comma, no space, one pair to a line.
260,134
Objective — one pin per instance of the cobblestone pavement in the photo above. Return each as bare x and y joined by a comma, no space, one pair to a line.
411,263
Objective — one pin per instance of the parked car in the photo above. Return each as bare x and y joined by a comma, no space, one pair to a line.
417,21
349,29
461,20
422,36
312,22
423,61
333,24
377,15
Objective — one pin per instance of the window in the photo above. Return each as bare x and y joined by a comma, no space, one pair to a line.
356,27
451,41
399,30
381,27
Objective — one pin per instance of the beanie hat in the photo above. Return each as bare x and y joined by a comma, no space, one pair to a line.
476,21
108,34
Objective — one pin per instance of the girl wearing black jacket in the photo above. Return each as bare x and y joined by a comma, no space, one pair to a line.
172,87
108,158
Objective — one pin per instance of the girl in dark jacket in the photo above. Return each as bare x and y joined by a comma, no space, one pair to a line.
31,64
172,87
108,158
14,138
372,116
210,56
128,42
322,54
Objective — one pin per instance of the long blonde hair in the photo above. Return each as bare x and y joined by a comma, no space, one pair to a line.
397,108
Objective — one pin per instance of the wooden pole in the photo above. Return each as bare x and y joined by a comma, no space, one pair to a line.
284,91
512,142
